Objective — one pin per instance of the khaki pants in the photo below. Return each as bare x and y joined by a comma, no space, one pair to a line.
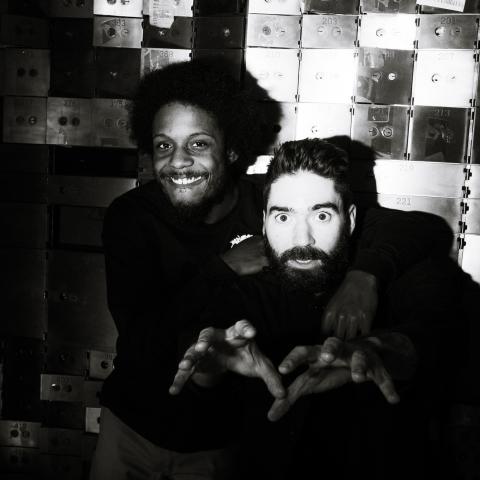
123,454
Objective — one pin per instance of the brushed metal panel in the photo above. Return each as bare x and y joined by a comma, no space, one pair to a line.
25,188
396,31
444,78
473,183
219,32
273,7
322,120
23,225
274,31
329,31
384,128
80,226
409,178
24,120
71,8
60,441
78,313
472,216
28,72
131,8
100,364
66,360
439,134
71,33
471,258
330,6
156,58
19,434
387,6
69,121
117,32
111,126
61,388
447,31
24,31
86,191
276,70
327,75
384,76
178,35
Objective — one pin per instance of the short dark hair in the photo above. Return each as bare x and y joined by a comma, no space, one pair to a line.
207,85
311,155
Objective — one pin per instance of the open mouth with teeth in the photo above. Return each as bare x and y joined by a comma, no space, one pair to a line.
186,181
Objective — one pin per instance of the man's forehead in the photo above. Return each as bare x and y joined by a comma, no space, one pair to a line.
303,190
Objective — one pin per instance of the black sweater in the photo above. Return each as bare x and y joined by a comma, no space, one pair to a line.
155,264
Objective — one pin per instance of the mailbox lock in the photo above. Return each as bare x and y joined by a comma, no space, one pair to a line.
321,30
75,121
266,30
380,32
373,131
32,119
21,72
435,78
14,433
387,132
226,32
63,120
440,31
105,365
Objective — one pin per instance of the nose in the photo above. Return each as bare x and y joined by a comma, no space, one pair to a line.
302,235
180,159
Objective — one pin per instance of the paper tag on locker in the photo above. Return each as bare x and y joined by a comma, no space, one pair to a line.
444,78
383,128
276,70
179,35
439,134
69,121
24,31
92,419
71,8
19,434
28,72
329,31
61,388
157,58
117,32
219,32
162,12
327,75
384,76
24,119
111,127
323,120
330,6
120,8
275,7
471,258
60,441
448,31
100,364
382,30
456,5
278,31
388,6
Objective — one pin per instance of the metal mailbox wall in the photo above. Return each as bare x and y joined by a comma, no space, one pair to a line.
400,78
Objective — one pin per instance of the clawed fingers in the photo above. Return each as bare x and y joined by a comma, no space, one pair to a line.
298,356
384,382
186,367
331,349
239,333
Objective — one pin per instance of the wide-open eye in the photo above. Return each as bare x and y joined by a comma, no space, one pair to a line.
282,218
323,216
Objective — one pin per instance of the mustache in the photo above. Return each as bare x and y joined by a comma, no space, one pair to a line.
304,253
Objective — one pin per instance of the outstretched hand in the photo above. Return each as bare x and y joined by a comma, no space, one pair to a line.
233,349
331,365
351,311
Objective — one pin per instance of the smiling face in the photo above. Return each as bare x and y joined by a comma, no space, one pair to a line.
306,227
189,157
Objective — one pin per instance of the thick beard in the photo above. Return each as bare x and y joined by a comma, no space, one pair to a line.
215,194
323,279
